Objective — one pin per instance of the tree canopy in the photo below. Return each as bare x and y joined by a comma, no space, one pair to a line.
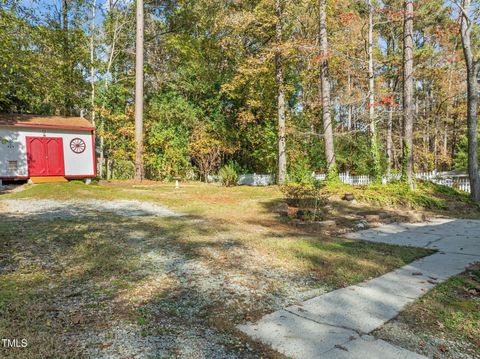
211,91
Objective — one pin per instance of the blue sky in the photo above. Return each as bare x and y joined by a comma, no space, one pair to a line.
44,7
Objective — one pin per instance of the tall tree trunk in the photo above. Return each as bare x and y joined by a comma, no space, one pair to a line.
407,161
428,139
92,65
92,60
445,162
392,86
389,131
473,68
374,150
445,146
454,135
67,106
282,155
395,162
116,32
139,93
432,122
325,92
426,149
435,143
445,134
349,106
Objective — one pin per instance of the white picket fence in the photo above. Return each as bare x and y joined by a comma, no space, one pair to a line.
347,179
461,183
250,179
256,180
442,178
213,178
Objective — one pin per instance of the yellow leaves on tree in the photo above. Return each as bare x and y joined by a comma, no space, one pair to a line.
206,150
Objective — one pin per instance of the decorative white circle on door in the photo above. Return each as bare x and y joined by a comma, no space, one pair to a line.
77,145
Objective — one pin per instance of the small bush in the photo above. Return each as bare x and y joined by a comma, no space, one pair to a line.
123,170
228,175
300,172
306,196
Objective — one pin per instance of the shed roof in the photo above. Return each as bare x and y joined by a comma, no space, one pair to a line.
62,122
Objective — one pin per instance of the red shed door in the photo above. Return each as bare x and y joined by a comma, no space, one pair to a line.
45,156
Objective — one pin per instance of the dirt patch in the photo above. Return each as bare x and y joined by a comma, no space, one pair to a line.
124,183
217,199
52,209
12,188
144,183
353,216
426,344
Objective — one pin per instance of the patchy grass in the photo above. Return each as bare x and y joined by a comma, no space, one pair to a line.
447,319
452,309
340,262
192,198
68,284
426,195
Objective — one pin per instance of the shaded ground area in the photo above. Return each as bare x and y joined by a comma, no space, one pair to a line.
52,209
351,208
104,281
339,324
445,323
428,199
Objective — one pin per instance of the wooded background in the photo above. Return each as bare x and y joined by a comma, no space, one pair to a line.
240,81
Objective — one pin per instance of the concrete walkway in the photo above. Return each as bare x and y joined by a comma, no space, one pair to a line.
336,324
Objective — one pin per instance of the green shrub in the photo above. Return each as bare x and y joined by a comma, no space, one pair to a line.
123,170
306,196
300,172
228,175
172,118
392,194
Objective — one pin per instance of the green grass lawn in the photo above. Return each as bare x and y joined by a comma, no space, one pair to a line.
446,319
70,281
426,196
452,309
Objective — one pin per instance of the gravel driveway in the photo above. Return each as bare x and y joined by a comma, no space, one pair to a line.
199,292
52,209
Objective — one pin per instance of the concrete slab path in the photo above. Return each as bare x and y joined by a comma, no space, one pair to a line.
337,324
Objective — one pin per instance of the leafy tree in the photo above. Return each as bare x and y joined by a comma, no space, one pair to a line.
171,120
221,78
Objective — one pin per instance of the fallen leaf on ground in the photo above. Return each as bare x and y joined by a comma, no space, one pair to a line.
341,347
78,319
443,348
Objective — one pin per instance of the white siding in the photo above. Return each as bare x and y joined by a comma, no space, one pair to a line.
13,148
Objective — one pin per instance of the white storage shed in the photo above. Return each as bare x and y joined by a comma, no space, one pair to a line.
41,146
